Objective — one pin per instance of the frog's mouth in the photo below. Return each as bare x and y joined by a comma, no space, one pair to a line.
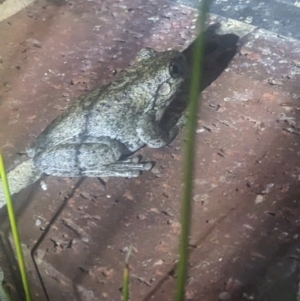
174,108
164,97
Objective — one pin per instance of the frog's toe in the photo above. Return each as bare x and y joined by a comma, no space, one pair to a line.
133,173
182,121
148,165
135,159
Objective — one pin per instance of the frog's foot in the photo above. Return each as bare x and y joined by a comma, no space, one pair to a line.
90,160
127,168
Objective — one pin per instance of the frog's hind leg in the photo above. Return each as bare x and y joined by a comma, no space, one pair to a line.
90,160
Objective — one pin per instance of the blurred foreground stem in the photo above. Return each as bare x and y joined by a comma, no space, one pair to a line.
196,80
126,276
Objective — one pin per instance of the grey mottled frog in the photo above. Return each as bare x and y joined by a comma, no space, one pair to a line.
96,135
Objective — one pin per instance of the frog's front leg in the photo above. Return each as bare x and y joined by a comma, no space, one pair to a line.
152,134
89,159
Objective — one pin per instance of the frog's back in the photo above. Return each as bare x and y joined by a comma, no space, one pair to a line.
102,112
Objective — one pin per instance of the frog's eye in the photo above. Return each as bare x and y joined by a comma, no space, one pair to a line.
176,68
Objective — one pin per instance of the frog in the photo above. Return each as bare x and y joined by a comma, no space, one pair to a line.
99,133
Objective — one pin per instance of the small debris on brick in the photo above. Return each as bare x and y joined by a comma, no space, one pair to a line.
296,63
34,42
268,188
159,262
155,170
274,82
224,296
259,199
141,216
38,222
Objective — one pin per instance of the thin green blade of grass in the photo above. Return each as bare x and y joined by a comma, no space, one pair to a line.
126,283
125,287
14,229
196,79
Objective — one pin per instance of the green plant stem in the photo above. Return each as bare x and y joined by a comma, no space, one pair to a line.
14,229
126,276
197,75
126,283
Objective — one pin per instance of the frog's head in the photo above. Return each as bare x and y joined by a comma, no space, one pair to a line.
161,74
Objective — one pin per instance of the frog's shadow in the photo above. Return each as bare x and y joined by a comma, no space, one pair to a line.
219,50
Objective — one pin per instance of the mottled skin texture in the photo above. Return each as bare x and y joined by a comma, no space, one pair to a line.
97,133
